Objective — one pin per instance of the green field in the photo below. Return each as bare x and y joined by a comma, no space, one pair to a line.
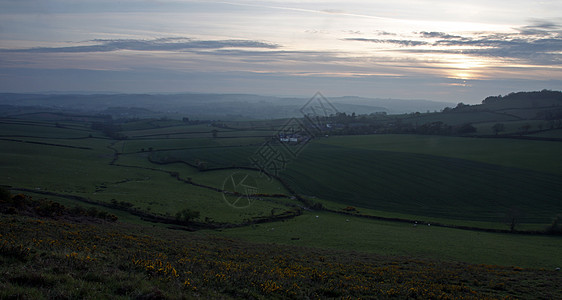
166,166
457,180
478,179
46,163
326,230
532,155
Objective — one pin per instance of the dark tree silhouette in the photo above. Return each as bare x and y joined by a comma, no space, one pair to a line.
498,127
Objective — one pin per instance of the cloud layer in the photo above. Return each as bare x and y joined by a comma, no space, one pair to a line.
162,44
539,43
358,47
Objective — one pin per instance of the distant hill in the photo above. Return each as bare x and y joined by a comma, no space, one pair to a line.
392,106
213,106
538,105
544,98
521,113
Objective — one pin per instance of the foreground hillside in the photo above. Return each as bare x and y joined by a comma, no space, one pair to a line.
75,256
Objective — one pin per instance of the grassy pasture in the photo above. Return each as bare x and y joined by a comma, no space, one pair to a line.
406,180
186,131
459,118
24,128
459,178
69,171
399,239
512,127
214,157
87,173
557,133
270,125
262,182
531,155
221,135
144,124
159,194
263,134
474,181
163,196
501,223
455,178
163,144
85,143
54,168
178,129
132,146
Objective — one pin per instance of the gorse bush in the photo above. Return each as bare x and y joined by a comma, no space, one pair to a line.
5,195
50,258
187,215
556,226
26,205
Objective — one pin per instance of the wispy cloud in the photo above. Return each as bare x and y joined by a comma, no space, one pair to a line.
382,32
538,44
405,43
163,44
541,27
531,44
441,35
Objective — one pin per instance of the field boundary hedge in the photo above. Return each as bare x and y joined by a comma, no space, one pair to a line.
421,222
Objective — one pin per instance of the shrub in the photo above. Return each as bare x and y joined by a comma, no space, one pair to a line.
5,195
187,215
50,209
556,226
19,200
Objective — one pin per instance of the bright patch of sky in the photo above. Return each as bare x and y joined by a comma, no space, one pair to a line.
438,50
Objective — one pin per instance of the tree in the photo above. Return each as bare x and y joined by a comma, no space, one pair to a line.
513,217
187,215
5,194
492,99
460,105
556,226
201,165
465,128
525,127
498,127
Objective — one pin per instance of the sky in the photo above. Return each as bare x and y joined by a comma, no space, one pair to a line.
453,51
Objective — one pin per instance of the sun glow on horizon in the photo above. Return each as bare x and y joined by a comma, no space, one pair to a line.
370,47
466,67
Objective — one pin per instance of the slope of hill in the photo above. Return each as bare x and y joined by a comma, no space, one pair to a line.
516,114
543,105
55,257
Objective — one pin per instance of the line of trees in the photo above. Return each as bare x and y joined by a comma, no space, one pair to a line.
110,129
